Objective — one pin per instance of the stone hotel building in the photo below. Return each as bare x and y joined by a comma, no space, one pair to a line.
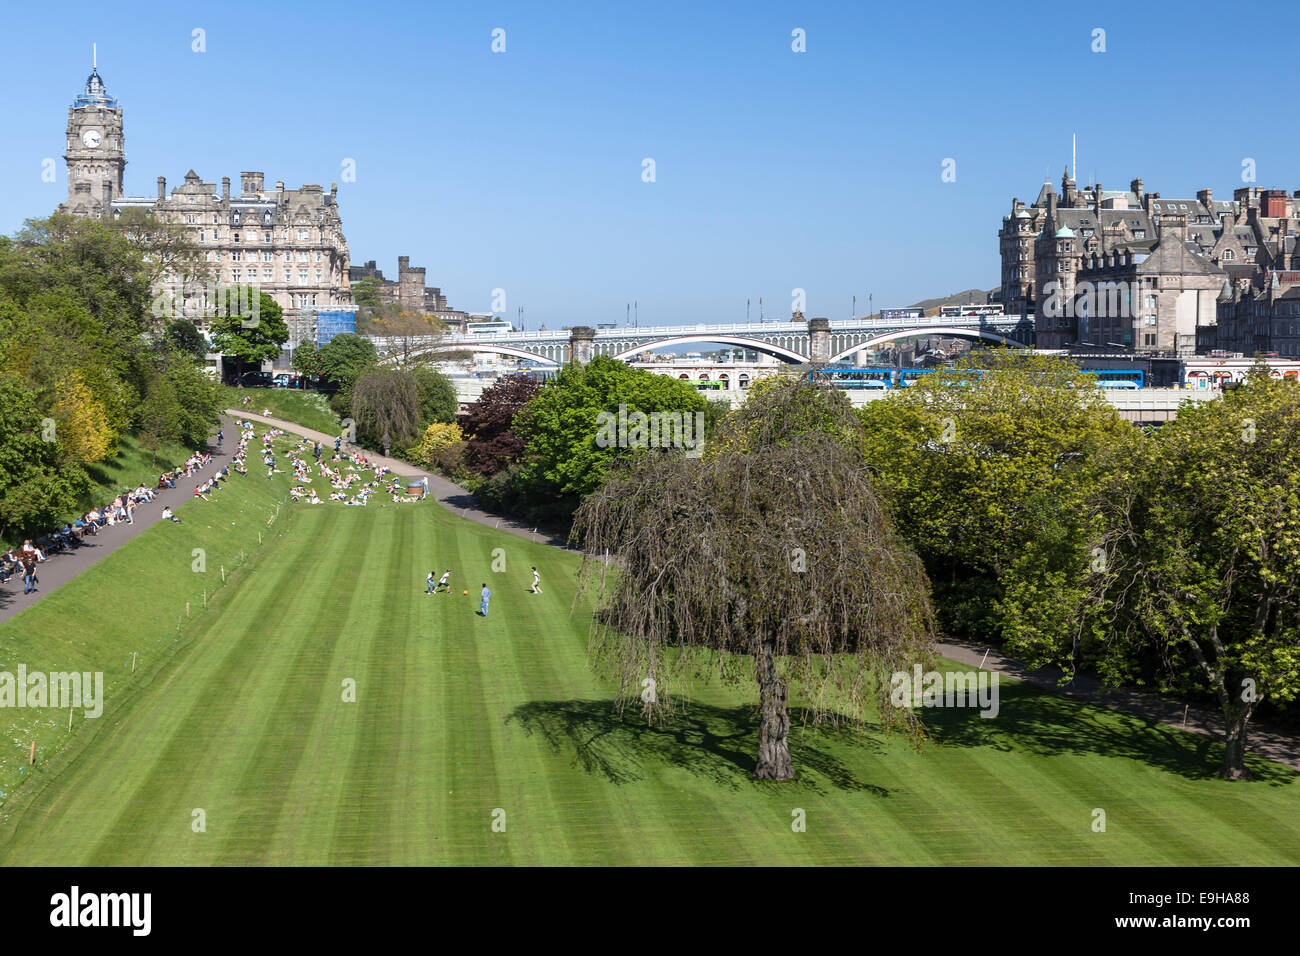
288,242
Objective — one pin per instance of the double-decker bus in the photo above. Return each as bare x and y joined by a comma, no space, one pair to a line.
488,328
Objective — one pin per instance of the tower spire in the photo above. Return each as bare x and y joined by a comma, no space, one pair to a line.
94,56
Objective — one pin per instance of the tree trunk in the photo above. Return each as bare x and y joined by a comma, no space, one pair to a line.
1234,750
774,726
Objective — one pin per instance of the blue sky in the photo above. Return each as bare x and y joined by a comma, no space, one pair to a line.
775,170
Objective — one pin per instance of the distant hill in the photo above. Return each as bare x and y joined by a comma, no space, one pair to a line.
969,297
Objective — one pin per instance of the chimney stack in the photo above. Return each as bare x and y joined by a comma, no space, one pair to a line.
108,198
1205,197
225,190
279,192
162,188
1136,187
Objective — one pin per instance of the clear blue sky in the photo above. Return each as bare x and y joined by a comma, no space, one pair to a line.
775,170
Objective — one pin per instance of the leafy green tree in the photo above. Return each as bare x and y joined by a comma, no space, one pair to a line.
252,329
1194,578
988,461
37,484
306,359
438,400
562,427
344,357
184,336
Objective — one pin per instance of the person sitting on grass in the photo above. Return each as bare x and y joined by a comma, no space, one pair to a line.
198,493
168,516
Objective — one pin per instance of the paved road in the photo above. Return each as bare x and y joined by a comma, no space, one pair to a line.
60,568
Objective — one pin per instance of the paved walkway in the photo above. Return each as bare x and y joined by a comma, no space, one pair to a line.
58,569
61,568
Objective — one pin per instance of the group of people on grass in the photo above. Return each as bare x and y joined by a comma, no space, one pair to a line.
343,472
443,585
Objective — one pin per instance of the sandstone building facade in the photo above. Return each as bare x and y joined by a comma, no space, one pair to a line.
1129,268
288,243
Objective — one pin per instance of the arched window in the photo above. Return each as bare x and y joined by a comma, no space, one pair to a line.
1228,254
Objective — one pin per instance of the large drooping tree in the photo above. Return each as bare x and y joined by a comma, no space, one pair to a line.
779,552
386,406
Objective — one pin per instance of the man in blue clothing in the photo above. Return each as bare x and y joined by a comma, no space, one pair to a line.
487,596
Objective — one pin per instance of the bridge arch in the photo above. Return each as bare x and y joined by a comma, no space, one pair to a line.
949,331
758,345
477,347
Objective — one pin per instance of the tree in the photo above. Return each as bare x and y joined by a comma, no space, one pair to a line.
386,406
343,358
306,359
252,328
489,422
184,336
1196,571
782,553
37,484
985,462
438,399
561,426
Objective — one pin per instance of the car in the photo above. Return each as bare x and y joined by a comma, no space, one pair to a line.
283,380
256,380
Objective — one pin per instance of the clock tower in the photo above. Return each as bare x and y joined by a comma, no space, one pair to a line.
96,150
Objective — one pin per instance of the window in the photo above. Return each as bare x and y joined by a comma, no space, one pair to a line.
201,236
236,256
318,255
192,219
267,256
288,257
1228,254
214,219
235,275
319,276
236,238
288,277
302,235
302,255
266,237
268,275
1139,233
302,276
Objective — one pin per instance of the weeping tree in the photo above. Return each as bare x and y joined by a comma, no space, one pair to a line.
777,553
386,406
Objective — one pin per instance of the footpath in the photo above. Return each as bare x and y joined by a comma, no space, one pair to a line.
59,569
63,567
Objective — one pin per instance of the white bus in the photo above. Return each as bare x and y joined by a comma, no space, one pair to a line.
488,328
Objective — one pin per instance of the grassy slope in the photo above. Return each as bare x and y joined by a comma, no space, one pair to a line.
307,408
132,601
458,715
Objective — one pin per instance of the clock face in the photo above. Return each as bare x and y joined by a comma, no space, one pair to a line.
92,138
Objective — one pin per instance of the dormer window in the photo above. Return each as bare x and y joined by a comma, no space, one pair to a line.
1228,255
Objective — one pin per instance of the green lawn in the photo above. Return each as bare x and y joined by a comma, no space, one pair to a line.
307,408
457,716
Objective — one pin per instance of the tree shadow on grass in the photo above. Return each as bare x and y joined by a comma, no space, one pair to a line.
1044,723
716,744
